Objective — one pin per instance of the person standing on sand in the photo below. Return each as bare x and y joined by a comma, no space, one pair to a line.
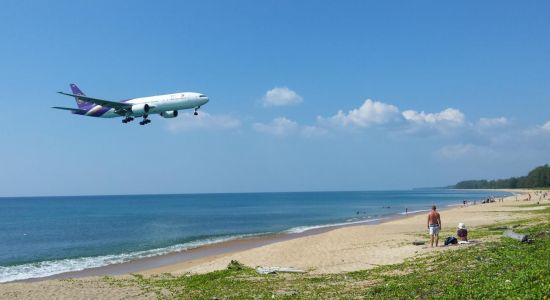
434,225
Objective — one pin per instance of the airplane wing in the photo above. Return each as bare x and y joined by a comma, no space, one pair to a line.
75,110
119,106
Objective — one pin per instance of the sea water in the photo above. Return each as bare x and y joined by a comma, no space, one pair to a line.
43,236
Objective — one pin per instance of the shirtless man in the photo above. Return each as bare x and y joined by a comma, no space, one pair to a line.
434,225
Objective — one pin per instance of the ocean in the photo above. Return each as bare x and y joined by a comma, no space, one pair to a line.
43,236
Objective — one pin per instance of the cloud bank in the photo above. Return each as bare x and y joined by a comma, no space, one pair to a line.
449,116
370,113
281,96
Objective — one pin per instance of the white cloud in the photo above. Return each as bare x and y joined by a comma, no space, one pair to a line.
463,150
492,122
281,96
411,121
539,130
188,121
279,126
371,112
447,116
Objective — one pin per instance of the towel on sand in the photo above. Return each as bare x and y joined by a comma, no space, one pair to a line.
272,270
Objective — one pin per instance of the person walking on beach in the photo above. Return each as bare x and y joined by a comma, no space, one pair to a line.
434,225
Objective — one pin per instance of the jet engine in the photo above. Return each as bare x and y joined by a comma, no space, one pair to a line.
169,114
140,109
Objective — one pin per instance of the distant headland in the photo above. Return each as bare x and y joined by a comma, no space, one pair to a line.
539,177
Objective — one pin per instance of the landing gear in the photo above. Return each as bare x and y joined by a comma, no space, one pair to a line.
127,119
196,113
145,121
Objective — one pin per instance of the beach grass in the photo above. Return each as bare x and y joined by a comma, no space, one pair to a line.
497,268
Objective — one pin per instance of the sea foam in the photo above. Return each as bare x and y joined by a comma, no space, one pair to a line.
53,267
301,229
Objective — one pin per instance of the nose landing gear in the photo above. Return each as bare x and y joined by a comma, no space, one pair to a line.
196,113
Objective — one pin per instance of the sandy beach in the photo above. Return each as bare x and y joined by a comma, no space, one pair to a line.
339,250
356,247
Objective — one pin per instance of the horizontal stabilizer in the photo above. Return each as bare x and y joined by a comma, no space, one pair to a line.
74,110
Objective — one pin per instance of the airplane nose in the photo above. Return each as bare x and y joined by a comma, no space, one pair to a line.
203,98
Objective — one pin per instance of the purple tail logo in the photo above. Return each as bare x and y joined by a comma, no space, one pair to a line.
76,91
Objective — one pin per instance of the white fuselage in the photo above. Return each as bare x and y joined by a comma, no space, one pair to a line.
159,104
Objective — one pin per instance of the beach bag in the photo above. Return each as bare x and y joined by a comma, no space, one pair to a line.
451,240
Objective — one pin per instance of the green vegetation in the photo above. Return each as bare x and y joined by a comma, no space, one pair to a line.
499,269
538,178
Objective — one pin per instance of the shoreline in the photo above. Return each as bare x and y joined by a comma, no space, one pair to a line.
201,252
196,255
216,249
377,237
331,254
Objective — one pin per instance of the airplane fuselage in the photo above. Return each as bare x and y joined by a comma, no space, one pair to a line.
166,105
159,104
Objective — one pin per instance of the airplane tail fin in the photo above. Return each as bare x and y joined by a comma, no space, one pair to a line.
76,91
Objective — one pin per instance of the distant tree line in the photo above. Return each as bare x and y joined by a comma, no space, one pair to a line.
539,177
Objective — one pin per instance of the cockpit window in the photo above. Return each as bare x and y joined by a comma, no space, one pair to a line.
202,96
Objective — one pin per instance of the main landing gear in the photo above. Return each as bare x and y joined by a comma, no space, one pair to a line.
130,119
196,113
145,121
127,119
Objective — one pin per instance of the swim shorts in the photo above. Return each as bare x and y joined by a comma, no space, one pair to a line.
434,229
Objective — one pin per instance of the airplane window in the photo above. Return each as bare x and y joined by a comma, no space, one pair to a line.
202,96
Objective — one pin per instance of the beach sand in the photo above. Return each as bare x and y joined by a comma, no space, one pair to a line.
340,250
356,247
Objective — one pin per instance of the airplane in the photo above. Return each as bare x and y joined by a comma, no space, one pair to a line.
165,105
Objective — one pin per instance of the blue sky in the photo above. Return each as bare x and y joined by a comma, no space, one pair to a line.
305,95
